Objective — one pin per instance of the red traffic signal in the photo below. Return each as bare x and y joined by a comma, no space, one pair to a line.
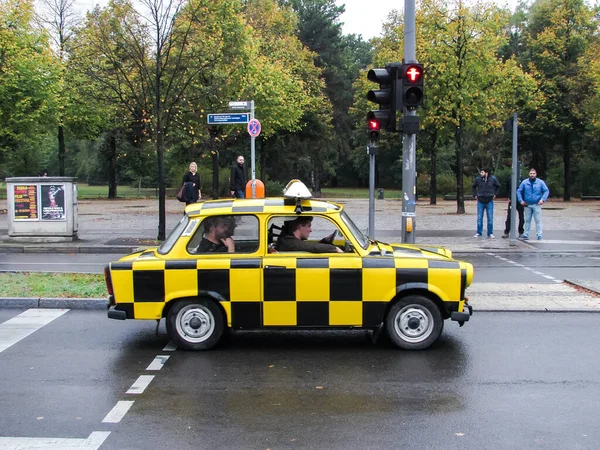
412,86
373,125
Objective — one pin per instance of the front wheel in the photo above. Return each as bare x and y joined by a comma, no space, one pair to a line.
195,324
414,323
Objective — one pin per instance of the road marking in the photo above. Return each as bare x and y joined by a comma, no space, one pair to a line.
140,384
158,363
118,412
21,326
93,442
170,347
532,270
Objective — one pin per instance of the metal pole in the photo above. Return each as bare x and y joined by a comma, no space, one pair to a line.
371,151
513,186
409,141
252,155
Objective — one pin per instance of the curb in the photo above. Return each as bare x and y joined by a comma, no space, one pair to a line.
77,249
54,303
583,286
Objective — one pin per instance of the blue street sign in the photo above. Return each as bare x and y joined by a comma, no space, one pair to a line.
225,118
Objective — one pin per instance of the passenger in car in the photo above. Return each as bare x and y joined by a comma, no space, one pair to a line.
294,235
218,232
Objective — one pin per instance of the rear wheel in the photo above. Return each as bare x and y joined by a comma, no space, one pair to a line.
195,324
414,323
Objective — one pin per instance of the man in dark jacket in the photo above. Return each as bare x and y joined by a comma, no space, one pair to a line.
237,181
485,188
294,235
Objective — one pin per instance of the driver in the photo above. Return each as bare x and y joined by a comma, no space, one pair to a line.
294,235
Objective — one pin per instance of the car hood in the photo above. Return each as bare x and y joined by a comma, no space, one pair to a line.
410,250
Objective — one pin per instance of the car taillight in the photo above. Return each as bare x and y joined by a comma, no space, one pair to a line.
108,280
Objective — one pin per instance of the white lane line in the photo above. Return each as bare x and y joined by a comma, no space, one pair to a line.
158,362
118,412
93,442
170,347
537,272
549,277
21,326
140,384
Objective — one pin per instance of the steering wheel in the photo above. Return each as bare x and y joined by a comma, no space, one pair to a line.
329,239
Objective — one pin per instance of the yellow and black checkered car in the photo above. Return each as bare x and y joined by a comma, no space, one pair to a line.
404,290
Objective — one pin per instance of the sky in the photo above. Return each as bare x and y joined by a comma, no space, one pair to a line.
366,16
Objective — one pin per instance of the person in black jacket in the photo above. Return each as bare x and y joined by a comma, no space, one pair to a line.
237,181
485,188
520,211
294,235
191,181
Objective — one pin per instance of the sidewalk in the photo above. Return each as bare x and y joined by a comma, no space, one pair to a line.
121,226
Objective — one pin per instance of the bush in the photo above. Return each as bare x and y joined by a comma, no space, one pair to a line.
274,188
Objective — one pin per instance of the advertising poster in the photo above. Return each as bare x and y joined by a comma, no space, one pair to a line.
53,201
25,202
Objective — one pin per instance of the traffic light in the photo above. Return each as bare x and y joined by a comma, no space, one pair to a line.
387,96
412,85
373,127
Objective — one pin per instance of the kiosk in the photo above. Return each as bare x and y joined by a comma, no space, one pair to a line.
42,209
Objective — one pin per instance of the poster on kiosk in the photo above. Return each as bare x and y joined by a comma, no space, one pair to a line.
53,201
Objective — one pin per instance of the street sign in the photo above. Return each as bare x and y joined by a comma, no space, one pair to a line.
225,118
254,128
239,105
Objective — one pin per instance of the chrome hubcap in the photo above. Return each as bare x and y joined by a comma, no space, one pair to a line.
195,323
413,323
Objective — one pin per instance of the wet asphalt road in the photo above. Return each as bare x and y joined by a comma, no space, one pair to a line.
488,268
503,381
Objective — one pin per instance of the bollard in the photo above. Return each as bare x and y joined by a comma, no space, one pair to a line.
380,194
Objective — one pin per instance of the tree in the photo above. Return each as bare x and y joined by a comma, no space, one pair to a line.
146,61
28,76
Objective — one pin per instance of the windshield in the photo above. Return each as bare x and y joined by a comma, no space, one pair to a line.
173,236
363,241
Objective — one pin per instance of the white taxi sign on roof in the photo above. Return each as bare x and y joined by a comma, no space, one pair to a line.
296,189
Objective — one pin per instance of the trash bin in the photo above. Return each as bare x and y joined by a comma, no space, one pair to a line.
42,209
380,194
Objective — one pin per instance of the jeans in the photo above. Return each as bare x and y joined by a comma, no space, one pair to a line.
489,211
536,211
240,194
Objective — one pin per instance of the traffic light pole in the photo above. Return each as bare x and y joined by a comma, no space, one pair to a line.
409,141
513,185
372,151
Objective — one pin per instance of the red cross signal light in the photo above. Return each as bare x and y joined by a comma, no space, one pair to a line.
373,127
412,85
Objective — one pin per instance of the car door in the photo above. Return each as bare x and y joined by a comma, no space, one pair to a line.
302,289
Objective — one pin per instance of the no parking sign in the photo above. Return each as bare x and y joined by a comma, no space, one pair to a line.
254,127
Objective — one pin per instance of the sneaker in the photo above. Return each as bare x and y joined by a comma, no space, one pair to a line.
523,237
539,238
491,236
505,235
477,236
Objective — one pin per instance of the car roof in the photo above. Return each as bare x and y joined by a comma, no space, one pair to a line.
271,205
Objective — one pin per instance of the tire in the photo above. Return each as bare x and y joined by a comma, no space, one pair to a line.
414,323
195,324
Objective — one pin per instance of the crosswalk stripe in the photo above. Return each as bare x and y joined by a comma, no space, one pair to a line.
140,384
118,412
93,442
158,362
21,326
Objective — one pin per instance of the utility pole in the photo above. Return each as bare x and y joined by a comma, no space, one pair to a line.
409,141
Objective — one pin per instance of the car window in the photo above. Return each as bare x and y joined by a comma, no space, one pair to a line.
214,232
168,243
322,227
363,240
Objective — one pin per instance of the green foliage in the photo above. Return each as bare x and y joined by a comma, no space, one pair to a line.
274,188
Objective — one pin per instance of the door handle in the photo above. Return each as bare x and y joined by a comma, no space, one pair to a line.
275,267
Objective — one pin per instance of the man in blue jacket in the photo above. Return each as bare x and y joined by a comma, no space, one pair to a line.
532,194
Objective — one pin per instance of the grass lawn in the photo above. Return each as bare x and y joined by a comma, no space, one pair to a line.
90,192
52,285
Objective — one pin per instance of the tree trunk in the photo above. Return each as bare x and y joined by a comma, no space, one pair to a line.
61,151
112,167
161,180
263,162
567,169
460,199
433,172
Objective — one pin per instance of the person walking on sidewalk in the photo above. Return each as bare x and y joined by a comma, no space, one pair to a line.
532,194
237,181
191,181
485,188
